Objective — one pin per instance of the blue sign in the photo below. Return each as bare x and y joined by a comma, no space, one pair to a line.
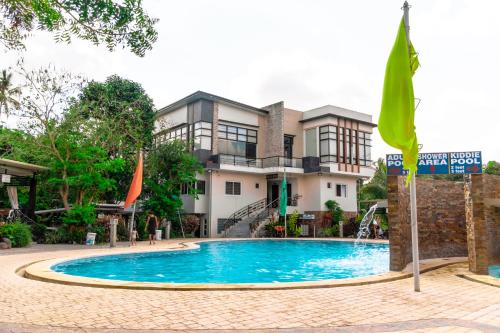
438,163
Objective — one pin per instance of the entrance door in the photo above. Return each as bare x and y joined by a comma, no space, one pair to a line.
275,194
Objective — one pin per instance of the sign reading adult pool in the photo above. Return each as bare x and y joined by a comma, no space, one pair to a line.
438,163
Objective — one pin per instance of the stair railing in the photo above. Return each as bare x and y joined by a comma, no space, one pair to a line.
242,213
268,211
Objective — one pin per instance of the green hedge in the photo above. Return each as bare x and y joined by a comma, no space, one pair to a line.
18,233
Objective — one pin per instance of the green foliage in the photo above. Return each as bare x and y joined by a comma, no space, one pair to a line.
376,188
18,233
98,21
335,210
122,115
169,166
292,229
492,168
9,95
332,231
80,215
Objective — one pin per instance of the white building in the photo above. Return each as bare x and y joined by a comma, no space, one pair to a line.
246,149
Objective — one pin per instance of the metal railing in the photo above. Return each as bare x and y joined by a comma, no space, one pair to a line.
267,162
242,213
270,209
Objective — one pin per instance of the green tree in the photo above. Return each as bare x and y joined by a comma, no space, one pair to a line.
99,21
492,168
122,117
9,95
65,140
167,168
376,188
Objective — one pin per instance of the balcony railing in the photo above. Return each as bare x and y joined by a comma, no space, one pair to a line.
268,162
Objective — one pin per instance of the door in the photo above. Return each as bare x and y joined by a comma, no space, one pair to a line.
275,194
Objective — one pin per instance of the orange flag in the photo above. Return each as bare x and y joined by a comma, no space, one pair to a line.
136,186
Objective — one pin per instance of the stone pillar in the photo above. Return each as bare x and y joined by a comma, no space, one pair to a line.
275,130
482,193
399,224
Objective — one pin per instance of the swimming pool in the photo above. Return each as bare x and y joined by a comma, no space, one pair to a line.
494,271
245,261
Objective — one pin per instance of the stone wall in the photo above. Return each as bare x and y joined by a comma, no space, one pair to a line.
440,216
482,193
275,132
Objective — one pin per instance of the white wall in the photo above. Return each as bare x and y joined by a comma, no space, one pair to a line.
224,205
230,113
348,203
171,119
308,188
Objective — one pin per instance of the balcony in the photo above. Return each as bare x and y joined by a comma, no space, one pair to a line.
215,161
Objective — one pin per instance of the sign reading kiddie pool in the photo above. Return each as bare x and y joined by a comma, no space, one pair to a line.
438,163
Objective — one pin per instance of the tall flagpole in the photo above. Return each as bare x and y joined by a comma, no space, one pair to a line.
286,199
413,186
131,226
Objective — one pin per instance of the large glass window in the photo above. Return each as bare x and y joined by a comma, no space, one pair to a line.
341,145
328,143
202,136
311,142
237,141
364,148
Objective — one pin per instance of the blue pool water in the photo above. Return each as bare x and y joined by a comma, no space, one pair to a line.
494,271
259,261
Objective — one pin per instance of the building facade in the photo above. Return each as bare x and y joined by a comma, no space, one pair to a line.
246,150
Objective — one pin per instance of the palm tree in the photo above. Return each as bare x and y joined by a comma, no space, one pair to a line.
8,94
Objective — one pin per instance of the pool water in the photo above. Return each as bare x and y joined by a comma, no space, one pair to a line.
252,261
494,271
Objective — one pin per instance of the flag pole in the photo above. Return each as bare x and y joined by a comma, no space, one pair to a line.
413,186
286,199
131,226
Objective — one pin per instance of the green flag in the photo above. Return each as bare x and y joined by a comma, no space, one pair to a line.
396,121
283,197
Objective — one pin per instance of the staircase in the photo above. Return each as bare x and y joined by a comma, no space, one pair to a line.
238,224
251,225
240,230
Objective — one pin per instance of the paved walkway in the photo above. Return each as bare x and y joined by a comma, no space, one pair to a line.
447,303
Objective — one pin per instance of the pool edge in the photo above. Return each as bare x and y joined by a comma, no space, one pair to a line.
41,271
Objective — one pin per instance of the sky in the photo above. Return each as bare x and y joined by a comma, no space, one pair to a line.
309,54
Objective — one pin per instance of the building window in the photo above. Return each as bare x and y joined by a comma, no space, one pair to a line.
342,190
329,185
328,144
311,142
176,133
364,148
354,155
202,135
257,185
237,141
200,187
233,188
341,145
184,189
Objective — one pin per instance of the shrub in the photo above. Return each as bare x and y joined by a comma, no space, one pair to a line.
191,223
80,215
335,210
18,233
332,231
292,229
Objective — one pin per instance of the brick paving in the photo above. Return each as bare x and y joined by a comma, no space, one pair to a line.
447,303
